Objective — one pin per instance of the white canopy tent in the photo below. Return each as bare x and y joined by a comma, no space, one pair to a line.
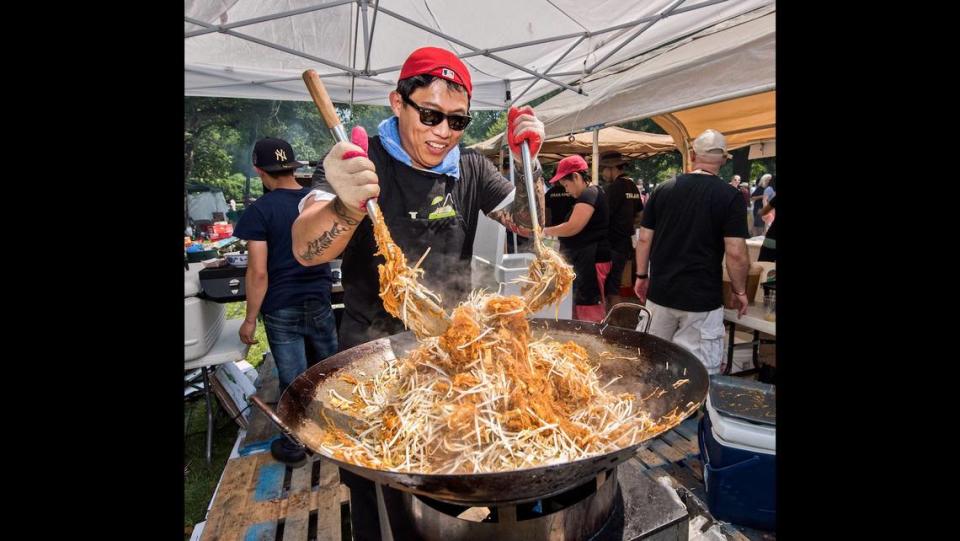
733,59
259,48
723,77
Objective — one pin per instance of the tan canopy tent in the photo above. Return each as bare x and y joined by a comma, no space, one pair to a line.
743,121
763,149
632,144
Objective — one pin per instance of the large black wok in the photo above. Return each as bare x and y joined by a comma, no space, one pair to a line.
646,363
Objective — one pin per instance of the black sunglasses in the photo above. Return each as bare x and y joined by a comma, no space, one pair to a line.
430,117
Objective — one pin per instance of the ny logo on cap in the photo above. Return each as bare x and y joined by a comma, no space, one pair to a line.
281,155
447,73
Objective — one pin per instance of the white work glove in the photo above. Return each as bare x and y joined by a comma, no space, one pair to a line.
350,172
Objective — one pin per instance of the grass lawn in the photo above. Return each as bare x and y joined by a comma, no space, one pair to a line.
199,479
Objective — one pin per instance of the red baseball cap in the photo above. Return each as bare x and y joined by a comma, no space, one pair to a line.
439,63
570,164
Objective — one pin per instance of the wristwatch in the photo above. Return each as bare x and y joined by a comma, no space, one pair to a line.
643,276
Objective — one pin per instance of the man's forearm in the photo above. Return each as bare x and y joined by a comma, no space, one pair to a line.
737,267
322,231
643,256
255,289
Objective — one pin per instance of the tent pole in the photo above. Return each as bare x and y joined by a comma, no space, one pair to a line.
220,28
624,43
583,35
596,155
555,62
294,52
678,132
452,39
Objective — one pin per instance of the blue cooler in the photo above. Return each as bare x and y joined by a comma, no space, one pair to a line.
737,439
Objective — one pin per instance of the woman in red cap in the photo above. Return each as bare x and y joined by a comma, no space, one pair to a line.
584,242
430,192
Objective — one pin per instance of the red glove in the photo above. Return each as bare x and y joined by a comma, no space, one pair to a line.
358,136
532,137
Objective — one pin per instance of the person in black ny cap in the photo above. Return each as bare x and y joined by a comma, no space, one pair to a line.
292,300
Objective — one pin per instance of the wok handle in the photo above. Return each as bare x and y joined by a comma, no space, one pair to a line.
632,306
276,420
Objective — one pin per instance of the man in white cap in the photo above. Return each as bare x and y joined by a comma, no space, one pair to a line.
688,224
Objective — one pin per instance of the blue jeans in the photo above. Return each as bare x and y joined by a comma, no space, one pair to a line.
299,337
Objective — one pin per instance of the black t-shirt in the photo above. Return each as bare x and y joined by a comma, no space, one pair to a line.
289,283
758,204
560,203
417,207
690,217
595,232
768,252
623,198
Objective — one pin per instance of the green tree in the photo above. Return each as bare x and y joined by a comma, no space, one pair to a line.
496,128
481,124
761,166
655,169
233,186
212,160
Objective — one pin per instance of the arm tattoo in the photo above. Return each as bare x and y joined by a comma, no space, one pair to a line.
518,213
341,212
320,244
520,208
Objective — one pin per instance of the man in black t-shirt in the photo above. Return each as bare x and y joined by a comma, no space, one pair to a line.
559,203
688,225
429,191
768,251
623,200
292,300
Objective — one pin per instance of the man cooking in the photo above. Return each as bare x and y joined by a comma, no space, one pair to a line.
429,190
